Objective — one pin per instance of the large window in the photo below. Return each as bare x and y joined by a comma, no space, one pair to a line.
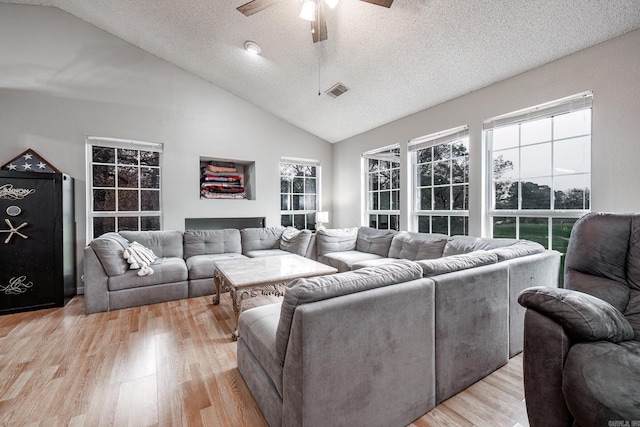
441,177
382,188
299,193
124,186
540,171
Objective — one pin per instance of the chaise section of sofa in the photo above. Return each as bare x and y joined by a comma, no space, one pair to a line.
342,248
354,348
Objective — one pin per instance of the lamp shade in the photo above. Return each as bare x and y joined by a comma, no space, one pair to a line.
322,217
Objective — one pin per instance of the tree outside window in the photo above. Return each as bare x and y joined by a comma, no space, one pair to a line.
382,183
125,188
541,172
441,175
299,190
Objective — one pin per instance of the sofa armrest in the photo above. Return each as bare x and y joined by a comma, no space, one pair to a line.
584,317
96,294
546,345
472,336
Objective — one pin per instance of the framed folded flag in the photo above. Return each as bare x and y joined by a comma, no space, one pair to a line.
29,161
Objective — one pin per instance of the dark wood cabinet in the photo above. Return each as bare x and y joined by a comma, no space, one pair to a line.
37,241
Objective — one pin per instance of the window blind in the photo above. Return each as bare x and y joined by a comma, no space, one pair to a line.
438,138
569,104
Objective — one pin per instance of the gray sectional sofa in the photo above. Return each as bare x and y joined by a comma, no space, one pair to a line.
184,267
410,320
381,343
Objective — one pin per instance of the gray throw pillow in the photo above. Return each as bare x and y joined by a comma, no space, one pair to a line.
374,241
295,241
336,240
457,245
109,249
417,246
583,316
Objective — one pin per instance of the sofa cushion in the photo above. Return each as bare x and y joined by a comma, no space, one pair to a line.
485,244
203,266
257,327
447,264
162,243
254,239
295,241
457,245
519,249
336,240
204,242
345,260
165,270
109,249
374,241
584,317
303,291
416,246
266,252
600,383
372,263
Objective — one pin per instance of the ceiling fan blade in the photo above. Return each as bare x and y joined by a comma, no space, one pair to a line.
383,3
255,6
319,26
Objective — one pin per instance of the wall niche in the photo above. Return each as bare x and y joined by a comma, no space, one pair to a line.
227,179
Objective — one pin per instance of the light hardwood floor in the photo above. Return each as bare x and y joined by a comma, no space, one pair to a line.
170,364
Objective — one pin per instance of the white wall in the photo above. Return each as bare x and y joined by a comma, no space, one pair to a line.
62,80
611,70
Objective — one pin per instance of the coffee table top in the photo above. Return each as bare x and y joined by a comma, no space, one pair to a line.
242,272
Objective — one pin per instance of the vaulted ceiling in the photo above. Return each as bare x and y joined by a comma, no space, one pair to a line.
395,61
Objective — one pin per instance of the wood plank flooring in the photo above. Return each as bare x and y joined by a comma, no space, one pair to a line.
170,364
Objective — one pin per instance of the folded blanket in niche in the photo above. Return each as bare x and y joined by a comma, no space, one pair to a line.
216,188
219,178
222,167
221,184
208,195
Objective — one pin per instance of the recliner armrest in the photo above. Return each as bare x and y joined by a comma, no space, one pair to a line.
583,316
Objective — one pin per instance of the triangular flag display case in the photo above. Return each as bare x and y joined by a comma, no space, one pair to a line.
37,236
29,161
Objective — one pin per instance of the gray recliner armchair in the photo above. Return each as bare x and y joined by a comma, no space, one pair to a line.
582,343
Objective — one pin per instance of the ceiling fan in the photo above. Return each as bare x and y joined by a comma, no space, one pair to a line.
312,10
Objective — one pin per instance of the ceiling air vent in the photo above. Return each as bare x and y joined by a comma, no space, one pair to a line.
337,90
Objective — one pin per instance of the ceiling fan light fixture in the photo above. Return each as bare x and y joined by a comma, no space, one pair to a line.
252,47
308,11
331,3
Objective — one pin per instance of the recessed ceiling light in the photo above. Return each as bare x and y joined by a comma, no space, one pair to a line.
252,47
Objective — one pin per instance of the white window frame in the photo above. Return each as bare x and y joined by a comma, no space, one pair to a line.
551,109
92,141
448,136
309,225
383,155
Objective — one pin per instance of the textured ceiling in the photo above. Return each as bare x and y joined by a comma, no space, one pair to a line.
396,61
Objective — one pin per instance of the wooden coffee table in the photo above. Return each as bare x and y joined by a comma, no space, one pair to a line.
248,277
